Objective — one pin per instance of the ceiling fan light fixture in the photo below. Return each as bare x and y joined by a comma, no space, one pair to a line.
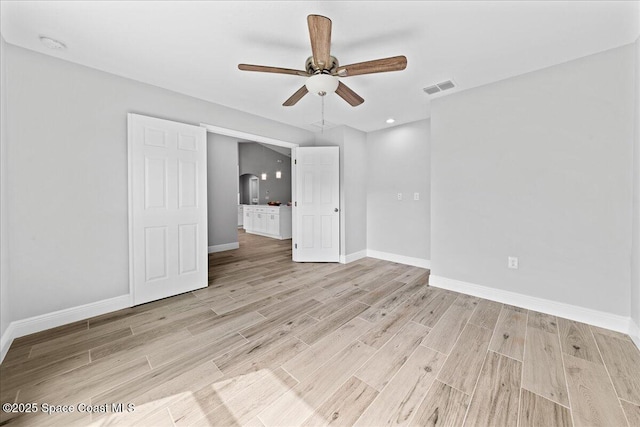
322,84
390,120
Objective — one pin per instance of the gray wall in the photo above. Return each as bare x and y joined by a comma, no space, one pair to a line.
353,215
539,167
398,162
635,253
255,159
5,307
222,189
67,145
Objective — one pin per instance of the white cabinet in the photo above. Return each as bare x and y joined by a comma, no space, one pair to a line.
240,216
269,221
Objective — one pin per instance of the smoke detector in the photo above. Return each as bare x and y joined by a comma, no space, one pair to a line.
439,87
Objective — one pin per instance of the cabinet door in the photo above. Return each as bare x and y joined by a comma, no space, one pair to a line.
273,224
260,222
248,219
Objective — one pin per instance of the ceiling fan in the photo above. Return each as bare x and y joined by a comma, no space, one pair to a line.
323,70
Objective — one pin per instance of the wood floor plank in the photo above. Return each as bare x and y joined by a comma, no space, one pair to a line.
509,335
295,406
543,372
495,401
386,328
486,314
344,406
577,340
632,411
324,327
250,401
83,382
536,411
305,363
435,308
622,359
463,365
542,321
240,355
383,365
445,333
398,402
279,319
391,302
443,406
74,343
156,397
593,399
143,384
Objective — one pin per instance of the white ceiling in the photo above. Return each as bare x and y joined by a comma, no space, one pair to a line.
194,47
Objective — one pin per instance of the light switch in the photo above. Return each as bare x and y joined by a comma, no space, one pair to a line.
416,196
399,196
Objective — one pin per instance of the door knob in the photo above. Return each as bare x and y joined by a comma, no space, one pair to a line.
335,210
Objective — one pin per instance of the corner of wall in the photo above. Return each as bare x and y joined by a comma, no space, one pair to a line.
5,307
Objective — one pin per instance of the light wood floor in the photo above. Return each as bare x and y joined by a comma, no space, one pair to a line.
275,343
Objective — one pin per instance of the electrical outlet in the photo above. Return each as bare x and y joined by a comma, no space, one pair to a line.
512,262
399,196
416,196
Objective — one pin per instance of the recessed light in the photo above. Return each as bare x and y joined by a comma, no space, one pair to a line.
52,44
390,120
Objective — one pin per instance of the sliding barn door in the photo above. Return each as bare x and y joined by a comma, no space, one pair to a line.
167,208
317,201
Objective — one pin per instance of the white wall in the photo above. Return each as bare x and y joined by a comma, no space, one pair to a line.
398,162
5,306
635,252
222,189
68,169
353,219
539,167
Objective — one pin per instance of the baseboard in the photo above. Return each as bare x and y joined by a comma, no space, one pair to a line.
19,328
634,333
401,259
224,247
568,311
346,259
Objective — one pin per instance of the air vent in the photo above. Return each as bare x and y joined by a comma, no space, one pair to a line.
432,89
439,87
446,85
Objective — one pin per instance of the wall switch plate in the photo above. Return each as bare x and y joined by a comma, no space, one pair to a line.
399,196
512,262
416,196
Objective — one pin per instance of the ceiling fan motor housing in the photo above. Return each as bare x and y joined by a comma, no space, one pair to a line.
312,68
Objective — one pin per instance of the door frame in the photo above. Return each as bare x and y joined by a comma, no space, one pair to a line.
265,140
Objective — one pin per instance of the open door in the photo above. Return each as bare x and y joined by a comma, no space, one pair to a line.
316,209
167,208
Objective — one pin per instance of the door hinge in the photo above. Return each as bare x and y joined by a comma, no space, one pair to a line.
296,246
296,203
295,161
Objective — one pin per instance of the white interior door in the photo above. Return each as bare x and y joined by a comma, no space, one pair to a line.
316,211
167,208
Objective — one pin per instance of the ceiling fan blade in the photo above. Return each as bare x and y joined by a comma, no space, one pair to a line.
296,97
348,95
320,35
277,70
395,63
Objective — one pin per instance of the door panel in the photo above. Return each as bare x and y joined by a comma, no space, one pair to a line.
167,208
317,202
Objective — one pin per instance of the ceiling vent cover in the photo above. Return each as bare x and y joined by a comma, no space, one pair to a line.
439,87
432,89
